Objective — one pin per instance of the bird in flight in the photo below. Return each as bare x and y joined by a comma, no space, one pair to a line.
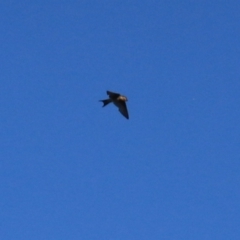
119,101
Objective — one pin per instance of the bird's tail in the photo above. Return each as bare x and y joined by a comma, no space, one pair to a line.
105,102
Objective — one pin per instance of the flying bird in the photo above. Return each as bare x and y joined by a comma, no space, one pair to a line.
119,101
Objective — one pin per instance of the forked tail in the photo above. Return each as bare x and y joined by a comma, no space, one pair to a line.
105,102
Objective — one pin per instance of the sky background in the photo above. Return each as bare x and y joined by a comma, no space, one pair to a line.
70,169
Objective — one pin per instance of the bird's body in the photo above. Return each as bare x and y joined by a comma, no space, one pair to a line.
119,101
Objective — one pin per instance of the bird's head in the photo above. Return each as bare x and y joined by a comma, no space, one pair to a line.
123,98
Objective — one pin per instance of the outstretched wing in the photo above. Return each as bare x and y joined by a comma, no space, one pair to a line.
122,106
113,95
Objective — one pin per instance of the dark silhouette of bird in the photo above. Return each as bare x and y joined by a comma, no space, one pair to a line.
119,101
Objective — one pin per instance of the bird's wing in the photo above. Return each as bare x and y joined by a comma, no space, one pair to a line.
123,109
113,94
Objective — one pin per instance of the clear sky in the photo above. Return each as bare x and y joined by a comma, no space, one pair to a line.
70,169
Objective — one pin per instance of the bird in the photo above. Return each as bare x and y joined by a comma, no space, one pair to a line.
119,101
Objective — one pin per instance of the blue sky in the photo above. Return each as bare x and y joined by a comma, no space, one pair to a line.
70,169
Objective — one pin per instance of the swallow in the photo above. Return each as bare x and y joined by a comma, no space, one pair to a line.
119,101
